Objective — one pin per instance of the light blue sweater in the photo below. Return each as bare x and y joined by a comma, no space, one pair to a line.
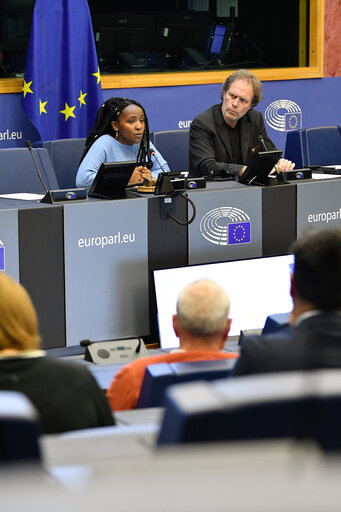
108,149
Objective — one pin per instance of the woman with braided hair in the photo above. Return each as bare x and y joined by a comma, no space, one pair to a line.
120,134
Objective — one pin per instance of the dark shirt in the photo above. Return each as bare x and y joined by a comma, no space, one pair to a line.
234,136
65,394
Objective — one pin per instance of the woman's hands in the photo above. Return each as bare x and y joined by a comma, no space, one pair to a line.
139,174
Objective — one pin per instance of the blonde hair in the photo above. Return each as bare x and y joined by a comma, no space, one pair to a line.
18,318
203,308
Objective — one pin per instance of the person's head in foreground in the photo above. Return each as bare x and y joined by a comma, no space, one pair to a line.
316,280
201,320
18,318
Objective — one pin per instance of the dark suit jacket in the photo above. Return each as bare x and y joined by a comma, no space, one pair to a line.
209,144
314,344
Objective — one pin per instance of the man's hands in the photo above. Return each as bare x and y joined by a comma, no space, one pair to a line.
283,165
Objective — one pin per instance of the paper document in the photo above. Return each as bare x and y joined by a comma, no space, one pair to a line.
317,176
24,196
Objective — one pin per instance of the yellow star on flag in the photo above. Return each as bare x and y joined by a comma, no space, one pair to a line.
42,107
26,88
68,111
81,98
97,75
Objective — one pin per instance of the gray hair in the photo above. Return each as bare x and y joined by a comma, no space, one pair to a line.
244,74
203,308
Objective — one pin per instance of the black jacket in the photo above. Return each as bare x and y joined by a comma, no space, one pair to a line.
209,145
314,344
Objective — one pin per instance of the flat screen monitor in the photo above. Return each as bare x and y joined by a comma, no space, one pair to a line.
177,30
15,27
123,33
257,288
111,180
117,39
258,170
216,39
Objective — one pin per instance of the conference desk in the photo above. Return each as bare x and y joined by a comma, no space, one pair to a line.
235,221
86,264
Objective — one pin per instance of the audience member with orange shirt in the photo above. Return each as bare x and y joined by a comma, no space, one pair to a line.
201,323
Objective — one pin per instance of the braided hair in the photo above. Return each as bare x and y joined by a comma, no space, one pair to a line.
108,112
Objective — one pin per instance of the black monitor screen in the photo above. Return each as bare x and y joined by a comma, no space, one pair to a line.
112,40
182,29
111,180
258,170
180,36
15,28
123,33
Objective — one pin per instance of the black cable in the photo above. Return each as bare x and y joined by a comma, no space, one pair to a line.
184,223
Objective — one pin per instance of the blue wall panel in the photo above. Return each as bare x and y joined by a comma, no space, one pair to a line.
286,105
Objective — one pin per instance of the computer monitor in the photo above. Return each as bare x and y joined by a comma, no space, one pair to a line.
257,288
15,27
111,180
216,40
177,30
258,170
127,33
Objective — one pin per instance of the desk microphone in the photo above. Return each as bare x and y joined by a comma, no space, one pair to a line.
53,196
152,153
147,182
261,140
29,147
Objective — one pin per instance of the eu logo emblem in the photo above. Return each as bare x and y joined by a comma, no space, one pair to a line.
239,233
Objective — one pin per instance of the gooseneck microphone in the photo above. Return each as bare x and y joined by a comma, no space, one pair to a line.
29,147
261,140
152,153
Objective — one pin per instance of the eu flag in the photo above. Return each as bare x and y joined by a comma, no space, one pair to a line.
62,88
239,233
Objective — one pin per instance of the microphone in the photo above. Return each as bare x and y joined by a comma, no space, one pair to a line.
261,140
146,182
53,196
85,343
152,153
29,147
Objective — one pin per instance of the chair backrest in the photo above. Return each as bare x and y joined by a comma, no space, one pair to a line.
296,148
296,405
274,322
65,155
18,172
314,146
323,145
173,146
159,376
19,429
